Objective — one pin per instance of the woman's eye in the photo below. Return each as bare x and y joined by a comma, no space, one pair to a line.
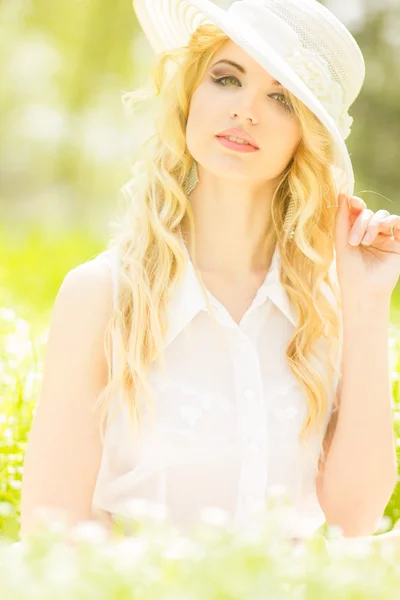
285,104
221,79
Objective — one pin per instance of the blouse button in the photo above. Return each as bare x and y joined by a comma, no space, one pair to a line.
249,500
254,446
249,394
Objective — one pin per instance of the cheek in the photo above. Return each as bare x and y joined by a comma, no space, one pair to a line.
200,120
197,110
284,133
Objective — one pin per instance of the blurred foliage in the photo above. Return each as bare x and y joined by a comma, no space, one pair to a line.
64,138
66,149
37,263
214,563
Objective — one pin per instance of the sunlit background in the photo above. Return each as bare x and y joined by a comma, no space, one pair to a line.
67,146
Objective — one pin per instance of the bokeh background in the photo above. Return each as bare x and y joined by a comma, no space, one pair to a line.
67,146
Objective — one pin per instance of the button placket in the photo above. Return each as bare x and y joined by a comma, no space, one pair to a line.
253,432
254,445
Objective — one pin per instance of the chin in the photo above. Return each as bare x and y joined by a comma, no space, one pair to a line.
234,170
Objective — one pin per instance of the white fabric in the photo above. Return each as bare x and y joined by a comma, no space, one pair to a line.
229,415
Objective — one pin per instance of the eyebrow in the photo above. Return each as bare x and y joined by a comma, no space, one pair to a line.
240,68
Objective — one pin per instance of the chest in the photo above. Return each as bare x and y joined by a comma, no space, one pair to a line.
235,295
215,401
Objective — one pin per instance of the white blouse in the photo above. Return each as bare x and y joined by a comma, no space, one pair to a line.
228,415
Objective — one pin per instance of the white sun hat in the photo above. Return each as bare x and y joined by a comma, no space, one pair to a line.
299,42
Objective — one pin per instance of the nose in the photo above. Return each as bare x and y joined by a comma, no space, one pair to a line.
245,108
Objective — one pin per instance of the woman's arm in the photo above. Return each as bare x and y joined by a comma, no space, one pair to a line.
360,470
63,454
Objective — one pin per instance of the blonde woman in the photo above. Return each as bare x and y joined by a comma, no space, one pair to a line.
233,340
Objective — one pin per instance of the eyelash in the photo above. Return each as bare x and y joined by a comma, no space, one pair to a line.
218,80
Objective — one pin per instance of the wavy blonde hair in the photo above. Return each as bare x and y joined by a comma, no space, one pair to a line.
152,260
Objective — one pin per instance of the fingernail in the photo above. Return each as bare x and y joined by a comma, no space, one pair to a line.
353,239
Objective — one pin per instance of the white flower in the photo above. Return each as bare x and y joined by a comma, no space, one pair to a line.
214,515
315,73
345,123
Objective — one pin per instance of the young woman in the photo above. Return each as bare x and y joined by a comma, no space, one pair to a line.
234,335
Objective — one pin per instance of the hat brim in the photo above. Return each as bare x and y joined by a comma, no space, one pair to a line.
170,24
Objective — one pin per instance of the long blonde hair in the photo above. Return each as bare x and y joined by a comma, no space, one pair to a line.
152,260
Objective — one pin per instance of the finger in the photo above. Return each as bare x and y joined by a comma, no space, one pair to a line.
387,225
357,204
360,226
375,227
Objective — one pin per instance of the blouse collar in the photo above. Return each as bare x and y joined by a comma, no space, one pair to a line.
188,299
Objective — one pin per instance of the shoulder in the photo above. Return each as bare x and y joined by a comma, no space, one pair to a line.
93,272
79,320
88,287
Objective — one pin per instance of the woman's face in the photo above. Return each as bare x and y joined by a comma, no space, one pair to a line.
244,97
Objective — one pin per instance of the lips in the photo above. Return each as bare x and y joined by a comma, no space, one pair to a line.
238,133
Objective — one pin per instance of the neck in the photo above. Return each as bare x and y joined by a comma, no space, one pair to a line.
234,234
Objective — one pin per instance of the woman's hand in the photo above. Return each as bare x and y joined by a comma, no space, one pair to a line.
371,264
